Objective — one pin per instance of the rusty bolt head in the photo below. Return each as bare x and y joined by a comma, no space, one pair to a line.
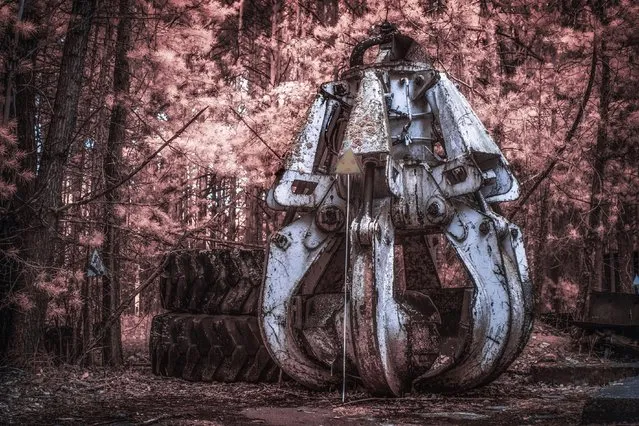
281,241
484,227
437,210
329,218
434,209
419,79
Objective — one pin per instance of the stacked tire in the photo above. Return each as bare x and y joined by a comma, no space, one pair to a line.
211,331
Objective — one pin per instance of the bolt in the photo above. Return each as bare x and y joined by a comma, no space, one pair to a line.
514,232
281,241
419,79
437,211
484,227
330,218
434,209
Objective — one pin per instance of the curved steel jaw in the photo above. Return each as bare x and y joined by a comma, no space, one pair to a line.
390,118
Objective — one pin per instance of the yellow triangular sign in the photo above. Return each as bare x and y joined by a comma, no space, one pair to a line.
347,163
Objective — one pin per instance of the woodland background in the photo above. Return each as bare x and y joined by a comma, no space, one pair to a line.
139,127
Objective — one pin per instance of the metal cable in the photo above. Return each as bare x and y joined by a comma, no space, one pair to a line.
347,229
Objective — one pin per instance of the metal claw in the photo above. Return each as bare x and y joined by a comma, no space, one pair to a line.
395,331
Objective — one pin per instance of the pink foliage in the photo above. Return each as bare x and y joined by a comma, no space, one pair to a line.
23,302
220,55
7,190
96,239
93,239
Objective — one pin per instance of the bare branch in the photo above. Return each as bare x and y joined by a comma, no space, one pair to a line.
520,43
136,170
255,133
569,136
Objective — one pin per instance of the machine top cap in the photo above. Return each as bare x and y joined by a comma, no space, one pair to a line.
389,39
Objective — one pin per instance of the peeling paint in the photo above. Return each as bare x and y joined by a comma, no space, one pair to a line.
397,113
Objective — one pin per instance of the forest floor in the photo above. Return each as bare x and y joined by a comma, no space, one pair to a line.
132,395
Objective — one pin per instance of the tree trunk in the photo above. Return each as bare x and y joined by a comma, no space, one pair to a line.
541,259
19,103
252,215
232,209
593,250
624,247
275,44
111,287
540,265
41,241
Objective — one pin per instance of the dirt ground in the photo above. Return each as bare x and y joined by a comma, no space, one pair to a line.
132,395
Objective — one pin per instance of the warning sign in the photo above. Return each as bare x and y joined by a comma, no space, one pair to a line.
96,266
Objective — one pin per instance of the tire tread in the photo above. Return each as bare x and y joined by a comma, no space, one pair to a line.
216,282
200,347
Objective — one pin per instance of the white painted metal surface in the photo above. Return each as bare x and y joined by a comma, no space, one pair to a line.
422,163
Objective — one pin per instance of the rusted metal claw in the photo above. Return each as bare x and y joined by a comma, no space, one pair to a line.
421,164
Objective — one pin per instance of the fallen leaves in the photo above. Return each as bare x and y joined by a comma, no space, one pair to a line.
103,395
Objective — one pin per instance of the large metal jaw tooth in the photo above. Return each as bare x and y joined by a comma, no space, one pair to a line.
287,267
501,317
376,319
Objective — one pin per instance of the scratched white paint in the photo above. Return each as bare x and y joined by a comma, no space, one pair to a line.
285,271
464,133
501,309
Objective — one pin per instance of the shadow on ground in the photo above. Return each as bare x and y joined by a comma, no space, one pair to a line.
134,396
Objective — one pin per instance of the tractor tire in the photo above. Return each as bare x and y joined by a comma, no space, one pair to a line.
222,281
210,348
